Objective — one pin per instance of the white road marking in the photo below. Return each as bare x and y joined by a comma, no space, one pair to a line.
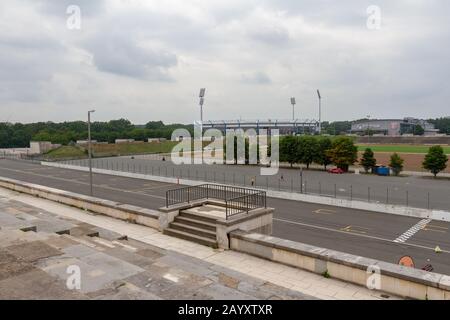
83,183
413,230
355,234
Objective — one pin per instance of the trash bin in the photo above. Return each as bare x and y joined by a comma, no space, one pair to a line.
383,171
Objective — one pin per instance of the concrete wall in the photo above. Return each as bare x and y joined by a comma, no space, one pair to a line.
390,278
113,209
355,204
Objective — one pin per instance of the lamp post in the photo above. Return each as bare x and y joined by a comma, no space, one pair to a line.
202,100
90,152
320,111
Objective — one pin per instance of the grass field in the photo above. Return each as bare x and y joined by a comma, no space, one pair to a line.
109,150
400,148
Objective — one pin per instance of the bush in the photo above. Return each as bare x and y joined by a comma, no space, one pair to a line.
436,160
343,153
396,164
368,161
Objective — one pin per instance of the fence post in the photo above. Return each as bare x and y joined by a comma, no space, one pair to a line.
335,191
301,180
387,195
368,194
428,201
292,185
267,183
320,188
351,192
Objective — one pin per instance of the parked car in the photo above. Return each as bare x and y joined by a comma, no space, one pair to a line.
336,170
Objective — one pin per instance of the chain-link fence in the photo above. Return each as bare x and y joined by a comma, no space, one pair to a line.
298,181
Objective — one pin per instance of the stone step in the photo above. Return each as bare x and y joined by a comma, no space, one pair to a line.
193,230
191,237
195,223
197,217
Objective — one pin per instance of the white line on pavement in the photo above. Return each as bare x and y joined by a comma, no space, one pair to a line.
413,230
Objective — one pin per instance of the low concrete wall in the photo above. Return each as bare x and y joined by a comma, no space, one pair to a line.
113,209
258,220
390,278
355,204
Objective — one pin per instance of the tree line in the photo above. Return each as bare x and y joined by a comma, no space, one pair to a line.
19,135
306,150
434,161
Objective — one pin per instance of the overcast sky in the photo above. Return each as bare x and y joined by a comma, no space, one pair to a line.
146,60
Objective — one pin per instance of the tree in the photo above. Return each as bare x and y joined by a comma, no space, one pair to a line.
306,150
368,161
418,130
321,157
436,160
343,153
396,164
289,150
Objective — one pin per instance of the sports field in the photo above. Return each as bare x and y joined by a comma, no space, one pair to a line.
400,148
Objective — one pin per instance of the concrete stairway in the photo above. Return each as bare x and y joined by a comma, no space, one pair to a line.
194,228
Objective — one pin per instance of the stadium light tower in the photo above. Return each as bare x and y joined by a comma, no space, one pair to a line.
320,111
293,107
202,100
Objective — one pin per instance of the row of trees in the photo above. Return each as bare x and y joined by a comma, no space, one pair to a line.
435,161
19,135
368,162
306,150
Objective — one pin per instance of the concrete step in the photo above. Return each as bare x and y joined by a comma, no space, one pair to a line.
197,217
193,230
191,237
195,223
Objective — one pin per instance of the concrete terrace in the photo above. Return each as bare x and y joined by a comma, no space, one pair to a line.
39,239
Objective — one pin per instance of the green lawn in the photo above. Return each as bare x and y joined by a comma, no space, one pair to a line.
109,150
400,148
65,152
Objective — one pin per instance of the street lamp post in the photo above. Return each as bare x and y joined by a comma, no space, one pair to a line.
320,111
90,152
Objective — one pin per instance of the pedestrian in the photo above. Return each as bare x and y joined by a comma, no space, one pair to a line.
253,181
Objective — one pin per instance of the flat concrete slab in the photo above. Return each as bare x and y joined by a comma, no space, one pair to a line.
209,210
35,265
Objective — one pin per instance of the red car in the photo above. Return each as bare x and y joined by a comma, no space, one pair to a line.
336,170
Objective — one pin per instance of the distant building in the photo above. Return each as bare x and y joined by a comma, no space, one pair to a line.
85,142
392,127
124,140
156,139
40,147
297,126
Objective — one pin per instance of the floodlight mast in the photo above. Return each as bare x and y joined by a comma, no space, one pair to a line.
293,108
202,100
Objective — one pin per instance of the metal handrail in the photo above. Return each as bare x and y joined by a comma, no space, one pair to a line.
237,199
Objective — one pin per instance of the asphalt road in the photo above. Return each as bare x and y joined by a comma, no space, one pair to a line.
359,232
413,191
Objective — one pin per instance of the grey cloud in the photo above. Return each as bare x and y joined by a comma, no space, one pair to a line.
256,78
122,55
59,7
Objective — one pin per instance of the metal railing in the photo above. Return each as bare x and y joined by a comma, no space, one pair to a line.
236,199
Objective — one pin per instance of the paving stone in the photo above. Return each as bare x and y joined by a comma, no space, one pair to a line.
11,266
36,284
9,221
32,251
